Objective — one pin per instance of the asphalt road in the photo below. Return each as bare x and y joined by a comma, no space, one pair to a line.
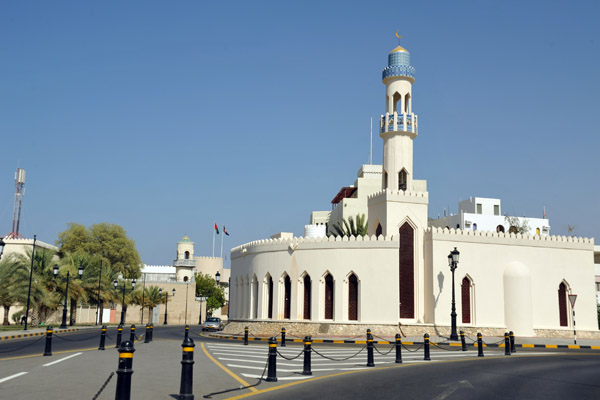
227,369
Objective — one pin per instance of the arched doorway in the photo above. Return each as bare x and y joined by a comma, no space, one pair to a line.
407,271
562,304
465,291
329,297
270,297
353,298
307,296
287,303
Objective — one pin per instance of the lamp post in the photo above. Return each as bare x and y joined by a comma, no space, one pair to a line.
64,313
30,277
186,300
202,299
453,263
143,297
116,283
166,302
98,313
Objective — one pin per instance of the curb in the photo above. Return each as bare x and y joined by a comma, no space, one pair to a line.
500,345
24,335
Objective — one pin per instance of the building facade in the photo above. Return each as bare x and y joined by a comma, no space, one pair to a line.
399,273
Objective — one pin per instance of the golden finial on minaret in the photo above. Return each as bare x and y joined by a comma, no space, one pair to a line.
399,48
398,36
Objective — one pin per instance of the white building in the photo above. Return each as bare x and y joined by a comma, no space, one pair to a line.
399,274
480,213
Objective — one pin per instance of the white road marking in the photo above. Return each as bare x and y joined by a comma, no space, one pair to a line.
285,378
12,376
62,359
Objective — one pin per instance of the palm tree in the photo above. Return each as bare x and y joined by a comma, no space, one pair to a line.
348,228
13,277
152,298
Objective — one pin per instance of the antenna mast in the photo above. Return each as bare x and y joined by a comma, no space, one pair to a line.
19,193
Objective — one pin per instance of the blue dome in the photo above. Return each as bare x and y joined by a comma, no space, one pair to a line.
398,64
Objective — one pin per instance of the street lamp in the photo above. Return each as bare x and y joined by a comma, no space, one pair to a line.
116,283
218,277
453,263
64,314
166,302
186,300
202,299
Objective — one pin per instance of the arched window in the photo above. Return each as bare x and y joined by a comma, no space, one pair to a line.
385,180
397,99
465,290
287,303
185,278
513,229
407,271
402,180
474,227
329,297
254,297
378,230
562,304
407,108
352,298
187,255
537,231
307,296
500,228
269,297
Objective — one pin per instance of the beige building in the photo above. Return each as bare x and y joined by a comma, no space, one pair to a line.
400,273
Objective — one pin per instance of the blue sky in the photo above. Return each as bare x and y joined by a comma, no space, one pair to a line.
164,117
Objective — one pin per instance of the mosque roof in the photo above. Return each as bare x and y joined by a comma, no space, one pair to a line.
185,239
398,49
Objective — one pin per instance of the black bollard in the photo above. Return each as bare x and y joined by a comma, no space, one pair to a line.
307,351
102,338
151,331
187,332
48,349
398,349
506,344
282,337
132,334
246,336
427,356
147,335
479,345
370,361
272,369
125,371
119,335
512,341
187,369
462,341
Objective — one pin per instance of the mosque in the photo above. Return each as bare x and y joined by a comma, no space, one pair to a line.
399,275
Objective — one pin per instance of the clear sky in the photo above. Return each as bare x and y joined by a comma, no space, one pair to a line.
165,117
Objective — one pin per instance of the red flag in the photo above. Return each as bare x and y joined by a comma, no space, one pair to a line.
216,228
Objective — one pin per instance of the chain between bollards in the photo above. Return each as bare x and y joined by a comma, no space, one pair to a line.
426,355
119,335
282,337
398,348
307,351
272,363
102,338
506,344
512,341
132,334
246,336
125,371
187,368
48,349
462,341
479,345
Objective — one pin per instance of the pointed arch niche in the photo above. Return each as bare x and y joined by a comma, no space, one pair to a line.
466,300
353,297
287,296
406,269
402,180
329,296
269,295
254,299
562,304
306,296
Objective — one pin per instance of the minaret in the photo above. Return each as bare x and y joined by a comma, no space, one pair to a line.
398,127
185,264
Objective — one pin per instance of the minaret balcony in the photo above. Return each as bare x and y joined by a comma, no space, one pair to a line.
398,122
184,263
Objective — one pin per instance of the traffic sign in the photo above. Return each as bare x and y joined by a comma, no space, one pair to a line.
572,298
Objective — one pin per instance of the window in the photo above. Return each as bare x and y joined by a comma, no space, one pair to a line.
187,255
287,304
465,289
479,209
402,177
353,298
562,305
496,209
474,227
500,228
329,297
378,230
385,180
307,289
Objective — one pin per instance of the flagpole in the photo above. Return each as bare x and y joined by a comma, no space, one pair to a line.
213,242
371,148
222,236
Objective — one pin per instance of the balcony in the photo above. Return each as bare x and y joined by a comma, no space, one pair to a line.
184,263
398,122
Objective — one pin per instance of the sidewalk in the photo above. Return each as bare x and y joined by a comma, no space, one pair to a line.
17,334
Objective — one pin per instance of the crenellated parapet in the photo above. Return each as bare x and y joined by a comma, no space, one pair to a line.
517,239
405,196
312,243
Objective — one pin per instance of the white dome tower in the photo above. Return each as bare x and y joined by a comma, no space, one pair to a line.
398,127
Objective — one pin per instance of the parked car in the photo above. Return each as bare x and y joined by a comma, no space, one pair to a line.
213,324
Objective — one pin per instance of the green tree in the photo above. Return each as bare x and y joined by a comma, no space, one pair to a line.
152,298
107,242
13,278
206,286
349,228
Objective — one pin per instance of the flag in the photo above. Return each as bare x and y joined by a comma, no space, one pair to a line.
216,228
224,231
544,212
